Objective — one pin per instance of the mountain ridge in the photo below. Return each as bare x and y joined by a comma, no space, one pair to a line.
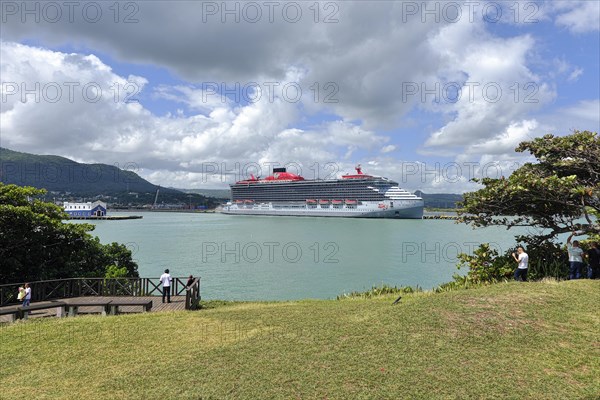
63,175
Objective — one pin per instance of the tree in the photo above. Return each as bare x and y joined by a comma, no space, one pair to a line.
550,195
36,244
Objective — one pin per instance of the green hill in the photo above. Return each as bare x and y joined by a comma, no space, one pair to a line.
66,179
534,340
224,194
59,174
439,200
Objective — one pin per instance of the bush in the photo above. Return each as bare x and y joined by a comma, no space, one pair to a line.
382,290
485,266
547,259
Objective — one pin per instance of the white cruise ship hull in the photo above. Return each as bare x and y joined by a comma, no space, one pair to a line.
405,209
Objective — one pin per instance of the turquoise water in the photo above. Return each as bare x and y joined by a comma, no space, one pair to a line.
283,258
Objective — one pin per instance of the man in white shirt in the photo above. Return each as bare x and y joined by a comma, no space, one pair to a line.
165,280
575,258
523,260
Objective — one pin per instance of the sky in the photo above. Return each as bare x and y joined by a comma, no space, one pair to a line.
201,94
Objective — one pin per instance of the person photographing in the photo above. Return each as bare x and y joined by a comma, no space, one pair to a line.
575,258
523,259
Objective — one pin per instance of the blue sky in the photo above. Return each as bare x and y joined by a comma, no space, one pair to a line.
371,60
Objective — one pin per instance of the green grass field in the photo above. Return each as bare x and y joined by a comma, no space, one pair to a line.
506,341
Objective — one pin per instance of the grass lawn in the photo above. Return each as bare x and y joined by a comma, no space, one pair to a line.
510,341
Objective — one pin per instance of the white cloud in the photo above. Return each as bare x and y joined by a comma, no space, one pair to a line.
388,149
356,67
506,141
585,111
502,92
575,74
197,99
582,115
578,16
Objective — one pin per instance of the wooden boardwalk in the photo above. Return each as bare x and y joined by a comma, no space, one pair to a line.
177,304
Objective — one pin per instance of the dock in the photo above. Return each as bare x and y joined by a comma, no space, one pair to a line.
441,216
110,217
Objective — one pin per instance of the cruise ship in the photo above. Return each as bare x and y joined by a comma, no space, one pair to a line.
354,195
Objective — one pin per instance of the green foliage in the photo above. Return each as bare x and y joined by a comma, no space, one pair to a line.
35,243
119,286
210,304
485,266
551,194
460,282
382,290
585,244
558,269
119,254
113,271
547,259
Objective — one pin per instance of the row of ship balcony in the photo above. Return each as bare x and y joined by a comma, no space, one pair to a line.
310,202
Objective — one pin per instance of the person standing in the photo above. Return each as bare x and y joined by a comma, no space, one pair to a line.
593,259
190,282
27,298
575,258
165,280
523,260
21,294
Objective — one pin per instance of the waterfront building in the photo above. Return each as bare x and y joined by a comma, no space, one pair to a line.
85,210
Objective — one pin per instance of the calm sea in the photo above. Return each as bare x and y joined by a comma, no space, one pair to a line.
283,258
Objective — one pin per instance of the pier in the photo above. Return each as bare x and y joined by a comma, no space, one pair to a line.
441,216
110,217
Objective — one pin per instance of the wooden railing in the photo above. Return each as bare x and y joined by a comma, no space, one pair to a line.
192,295
77,287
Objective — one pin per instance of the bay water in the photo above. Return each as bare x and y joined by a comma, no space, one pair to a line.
286,258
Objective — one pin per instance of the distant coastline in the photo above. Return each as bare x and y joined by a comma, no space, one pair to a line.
173,210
